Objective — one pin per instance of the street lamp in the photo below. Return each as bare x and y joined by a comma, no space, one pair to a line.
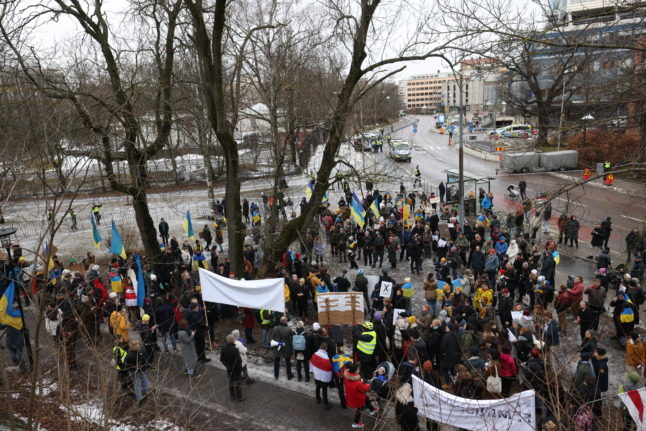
586,119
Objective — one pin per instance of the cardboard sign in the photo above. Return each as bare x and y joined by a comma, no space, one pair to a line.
386,289
434,200
340,308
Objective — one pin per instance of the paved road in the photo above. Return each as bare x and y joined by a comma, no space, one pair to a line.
590,204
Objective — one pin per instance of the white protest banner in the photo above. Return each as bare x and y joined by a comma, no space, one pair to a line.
511,336
386,289
434,200
397,312
268,294
635,403
513,413
516,315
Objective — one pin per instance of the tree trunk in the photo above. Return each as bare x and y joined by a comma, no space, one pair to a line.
235,229
543,126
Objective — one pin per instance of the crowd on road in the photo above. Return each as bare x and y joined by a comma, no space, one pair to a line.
474,310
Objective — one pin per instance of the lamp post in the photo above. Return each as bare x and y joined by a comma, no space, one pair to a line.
586,119
5,241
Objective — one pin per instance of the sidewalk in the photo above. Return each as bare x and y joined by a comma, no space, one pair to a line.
620,186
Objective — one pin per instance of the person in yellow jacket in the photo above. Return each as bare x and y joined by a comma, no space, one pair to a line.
120,325
483,293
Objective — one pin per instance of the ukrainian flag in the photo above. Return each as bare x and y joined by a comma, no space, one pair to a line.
188,226
309,189
116,244
8,314
255,216
406,213
556,256
96,235
374,207
49,255
326,198
358,213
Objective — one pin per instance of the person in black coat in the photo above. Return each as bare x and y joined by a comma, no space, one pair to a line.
600,365
405,410
230,358
477,262
505,307
451,352
165,318
245,210
163,231
196,322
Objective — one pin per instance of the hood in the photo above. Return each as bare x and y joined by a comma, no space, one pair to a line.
404,394
353,377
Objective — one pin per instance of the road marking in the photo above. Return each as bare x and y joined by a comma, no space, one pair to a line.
570,201
634,218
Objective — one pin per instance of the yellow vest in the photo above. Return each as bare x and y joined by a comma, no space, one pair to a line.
368,347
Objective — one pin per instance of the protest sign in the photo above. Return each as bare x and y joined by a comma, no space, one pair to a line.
514,413
268,293
386,289
340,308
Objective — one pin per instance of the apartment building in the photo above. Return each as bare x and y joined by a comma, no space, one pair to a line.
424,92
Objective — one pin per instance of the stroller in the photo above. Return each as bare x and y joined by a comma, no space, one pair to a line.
513,194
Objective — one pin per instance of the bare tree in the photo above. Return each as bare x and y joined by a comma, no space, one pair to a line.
115,86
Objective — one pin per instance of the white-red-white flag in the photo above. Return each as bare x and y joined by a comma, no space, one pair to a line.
635,402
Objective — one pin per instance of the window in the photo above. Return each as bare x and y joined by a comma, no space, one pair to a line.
596,66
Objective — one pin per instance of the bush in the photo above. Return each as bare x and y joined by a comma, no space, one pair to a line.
603,145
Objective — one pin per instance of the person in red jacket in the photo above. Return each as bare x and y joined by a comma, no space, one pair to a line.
576,294
249,322
355,394
507,370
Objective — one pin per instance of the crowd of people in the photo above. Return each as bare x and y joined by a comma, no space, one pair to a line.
474,310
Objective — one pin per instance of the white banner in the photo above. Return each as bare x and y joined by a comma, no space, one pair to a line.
265,294
514,413
635,402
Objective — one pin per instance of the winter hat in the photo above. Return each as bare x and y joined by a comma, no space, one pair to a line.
535,353
634,377
360,272
377,316
316,326
145,318
534,271
505,291
407,279
492,251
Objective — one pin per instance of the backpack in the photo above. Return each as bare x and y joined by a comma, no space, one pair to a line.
299,342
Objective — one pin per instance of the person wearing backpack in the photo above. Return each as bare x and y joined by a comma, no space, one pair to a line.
300,345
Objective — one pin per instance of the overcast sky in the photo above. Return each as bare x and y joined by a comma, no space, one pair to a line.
66,30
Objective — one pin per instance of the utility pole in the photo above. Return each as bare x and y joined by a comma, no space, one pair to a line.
461,157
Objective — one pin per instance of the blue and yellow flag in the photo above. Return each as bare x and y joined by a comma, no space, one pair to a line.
188,226
96,235
50,252
309,189
326,198
255,216
116,244
357,211
374,207
557,257
8,314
